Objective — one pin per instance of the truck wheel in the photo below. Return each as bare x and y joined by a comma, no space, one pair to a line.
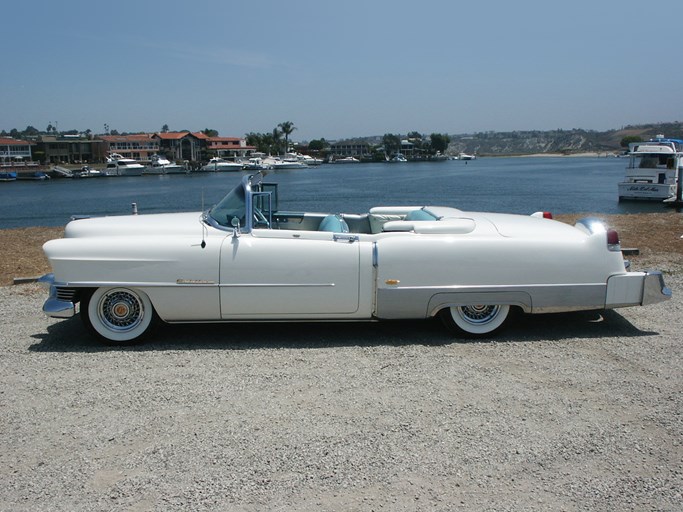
475,320
118,315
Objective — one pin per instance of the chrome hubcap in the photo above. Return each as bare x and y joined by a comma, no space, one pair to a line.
121,310
479,313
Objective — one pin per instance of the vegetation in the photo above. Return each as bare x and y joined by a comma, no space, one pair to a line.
424,146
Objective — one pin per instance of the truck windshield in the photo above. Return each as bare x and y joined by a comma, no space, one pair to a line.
232,205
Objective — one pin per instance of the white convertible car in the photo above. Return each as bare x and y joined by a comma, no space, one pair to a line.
245,260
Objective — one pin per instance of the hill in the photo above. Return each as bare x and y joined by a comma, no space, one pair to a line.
557,141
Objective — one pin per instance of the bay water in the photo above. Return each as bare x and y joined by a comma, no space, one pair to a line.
515,185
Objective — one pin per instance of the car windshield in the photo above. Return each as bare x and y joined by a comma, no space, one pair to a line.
232,205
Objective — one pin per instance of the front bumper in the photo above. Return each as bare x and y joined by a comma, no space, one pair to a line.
56,305
636,289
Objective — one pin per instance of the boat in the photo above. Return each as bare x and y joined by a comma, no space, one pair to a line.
255,164
33,176
8,176
346,160
117,165
217,164
309,160
465,156
290,161
162,165
654,171
88,172
398,158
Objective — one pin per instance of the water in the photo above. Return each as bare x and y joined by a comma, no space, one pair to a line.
514,185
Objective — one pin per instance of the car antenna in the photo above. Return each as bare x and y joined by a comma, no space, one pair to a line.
203,244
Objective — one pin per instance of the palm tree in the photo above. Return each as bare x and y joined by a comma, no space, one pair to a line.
287,127
276,138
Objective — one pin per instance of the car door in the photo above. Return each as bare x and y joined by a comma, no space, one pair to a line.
289,274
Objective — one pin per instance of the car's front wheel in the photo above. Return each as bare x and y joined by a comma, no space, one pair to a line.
475,320
119,315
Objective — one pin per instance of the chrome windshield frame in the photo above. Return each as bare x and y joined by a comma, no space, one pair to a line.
247,182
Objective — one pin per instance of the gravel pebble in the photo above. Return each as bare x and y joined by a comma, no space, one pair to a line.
578,411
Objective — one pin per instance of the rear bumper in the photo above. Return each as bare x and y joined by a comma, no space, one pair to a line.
55,306
636,289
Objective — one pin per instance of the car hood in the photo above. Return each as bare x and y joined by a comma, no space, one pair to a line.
135,225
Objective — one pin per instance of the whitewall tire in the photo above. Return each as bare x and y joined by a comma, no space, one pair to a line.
119,315
475,320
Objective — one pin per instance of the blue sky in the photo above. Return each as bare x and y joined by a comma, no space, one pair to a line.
340,69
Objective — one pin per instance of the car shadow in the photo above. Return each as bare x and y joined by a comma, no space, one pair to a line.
70,335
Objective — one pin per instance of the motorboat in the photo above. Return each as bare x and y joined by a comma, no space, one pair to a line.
162,165
346,160
255,164
288,162
398,158
88,172
117,165
217,164
465,156
8,176
654,171
309,160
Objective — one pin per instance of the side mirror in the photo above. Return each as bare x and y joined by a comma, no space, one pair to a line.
235,222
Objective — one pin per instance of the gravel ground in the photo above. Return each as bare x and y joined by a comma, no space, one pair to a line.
576,411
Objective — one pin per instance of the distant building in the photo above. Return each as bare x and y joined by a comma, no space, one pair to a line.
357,148
227,147
12,150
180,145
70,149
138,146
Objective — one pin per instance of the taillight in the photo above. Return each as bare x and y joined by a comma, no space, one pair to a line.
613,240
547,215
542,215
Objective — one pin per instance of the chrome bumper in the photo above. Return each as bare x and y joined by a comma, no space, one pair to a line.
654,289
636,289
54,306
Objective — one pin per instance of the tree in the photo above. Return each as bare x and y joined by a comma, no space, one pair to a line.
287,128
209,132
30,130
628,139
440,142
164,129
392,143
276,140
317,144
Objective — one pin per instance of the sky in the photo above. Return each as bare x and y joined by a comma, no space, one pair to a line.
340,69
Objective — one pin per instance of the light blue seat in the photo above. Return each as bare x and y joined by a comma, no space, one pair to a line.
419,215
334,223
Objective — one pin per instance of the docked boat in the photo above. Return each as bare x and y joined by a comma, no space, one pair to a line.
88,172
654,171
255,164
218,164
398,158
288,162
162,165
33,176
8,176
346,160
117,165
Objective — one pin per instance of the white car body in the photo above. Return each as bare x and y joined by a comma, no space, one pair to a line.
225,265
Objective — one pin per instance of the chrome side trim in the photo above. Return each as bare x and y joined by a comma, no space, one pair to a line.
277,285
418,302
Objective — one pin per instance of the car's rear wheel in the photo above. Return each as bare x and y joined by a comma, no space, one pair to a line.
118,315
475,320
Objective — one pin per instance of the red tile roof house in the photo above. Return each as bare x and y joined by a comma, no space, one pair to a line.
180,145
138,147
228,147
15,152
